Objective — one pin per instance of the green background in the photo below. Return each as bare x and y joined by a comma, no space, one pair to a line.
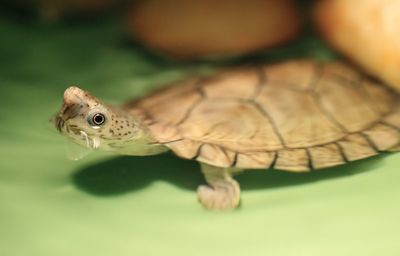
110,205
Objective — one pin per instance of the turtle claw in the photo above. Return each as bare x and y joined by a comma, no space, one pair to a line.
219,199
223,192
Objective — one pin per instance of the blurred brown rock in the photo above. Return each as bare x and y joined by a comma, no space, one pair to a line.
366,31
190,29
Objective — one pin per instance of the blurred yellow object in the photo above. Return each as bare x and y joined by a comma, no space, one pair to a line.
366,31
206,28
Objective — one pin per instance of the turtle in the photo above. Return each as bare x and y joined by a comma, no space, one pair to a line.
295,115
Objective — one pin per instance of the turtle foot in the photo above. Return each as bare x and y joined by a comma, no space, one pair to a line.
219,199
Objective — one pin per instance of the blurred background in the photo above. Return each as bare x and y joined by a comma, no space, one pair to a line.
121,49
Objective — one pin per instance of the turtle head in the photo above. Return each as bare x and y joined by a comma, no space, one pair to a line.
91,123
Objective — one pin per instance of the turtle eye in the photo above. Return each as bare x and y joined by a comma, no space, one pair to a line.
96,119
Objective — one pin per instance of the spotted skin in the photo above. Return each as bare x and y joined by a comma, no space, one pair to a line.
120,132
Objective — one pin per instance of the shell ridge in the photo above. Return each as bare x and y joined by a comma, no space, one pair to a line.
390,125
363,92
198,151
286,147
326,113
269,118
263,80
310,159
349,135
370,142
318,70
342,152
190,110
235,159
276,156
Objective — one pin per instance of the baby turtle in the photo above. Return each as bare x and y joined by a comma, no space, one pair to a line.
296,116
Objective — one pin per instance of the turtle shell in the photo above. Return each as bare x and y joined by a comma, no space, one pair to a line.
296,116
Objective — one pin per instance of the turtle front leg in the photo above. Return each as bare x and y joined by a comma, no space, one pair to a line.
223,192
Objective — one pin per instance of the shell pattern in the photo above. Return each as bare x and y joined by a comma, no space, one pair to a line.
296,116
